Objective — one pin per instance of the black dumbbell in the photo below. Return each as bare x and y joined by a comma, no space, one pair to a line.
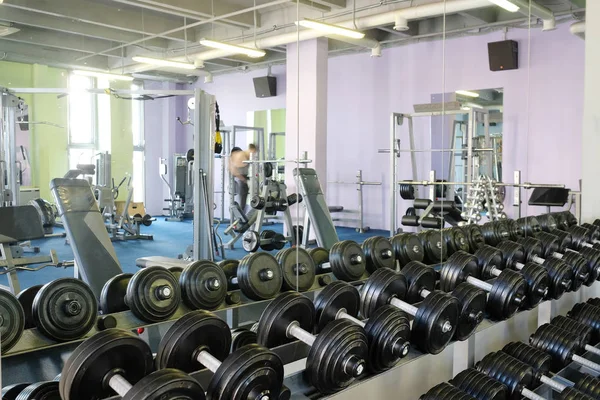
242,336
506,293
530,225
346,260
378,253
547,223
445,391
35,391
455,240
571,325
388,329
434,246
297,267
561,275
201,339
337,355
259,276
589,385
496,231
540,362
589,315
421,280
562,345
116,361
152,294
407,247
479,385
474,237
508,254
435,319
267,240
270,203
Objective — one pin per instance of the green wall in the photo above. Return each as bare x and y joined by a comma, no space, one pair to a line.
121,138
276,120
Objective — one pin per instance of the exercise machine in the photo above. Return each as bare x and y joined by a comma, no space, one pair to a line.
180,203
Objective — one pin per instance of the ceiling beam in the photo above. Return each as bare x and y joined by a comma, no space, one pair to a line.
481,15
26,53
200,10
578,3
25,18
331,4
94,13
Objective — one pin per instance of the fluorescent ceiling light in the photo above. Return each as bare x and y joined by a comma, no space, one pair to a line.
8,30
110,77
507,5
250,52
163,63
467,93
330,29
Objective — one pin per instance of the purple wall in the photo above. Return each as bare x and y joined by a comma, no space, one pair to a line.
363,91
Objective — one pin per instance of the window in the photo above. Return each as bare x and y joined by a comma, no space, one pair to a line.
137,128
82,121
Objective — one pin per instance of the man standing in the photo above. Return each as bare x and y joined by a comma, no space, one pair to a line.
239,169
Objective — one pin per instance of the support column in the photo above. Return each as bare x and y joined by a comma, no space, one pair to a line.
306,100
591,116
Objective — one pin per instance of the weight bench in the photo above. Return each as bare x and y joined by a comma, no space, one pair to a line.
317,213
19,224
166,262
95,257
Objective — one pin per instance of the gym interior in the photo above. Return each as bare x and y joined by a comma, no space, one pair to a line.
279,199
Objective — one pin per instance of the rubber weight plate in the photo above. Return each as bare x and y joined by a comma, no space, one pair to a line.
488,259
65,309
230,268
379,253
418,277
298,269
40,391
457,269
269,236
472,301
320,256
571,325
507,294
507,370
337,356
445,391
347,260
12,391
540,361
561,277
538,285
515,230
407,247
112,297
203,285
176,271
195,330
241,337
83,374
581,270
383,285
474,237
435,322
166,384
573,394
250,241
277,316
458,241
547,222
388,333
589,385
589,315
260,276
479,385
593,259
12,320
153,294
26,297
434,246
333,298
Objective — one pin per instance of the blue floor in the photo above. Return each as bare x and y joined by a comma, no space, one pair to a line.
170,239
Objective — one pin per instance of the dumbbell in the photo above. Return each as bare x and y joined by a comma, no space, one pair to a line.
297,267
560,273
346,260
435,320
574,326
530,225
378,253
242,336
456,239
201,339
434,246
152,294
34,391
589,315
267,240
337,355
387,329
493,260
258,275
445,391
407,247
506,293
546,222
474,237
421,280
562,345
116,361
550,246
260,203
495,231
540,364
479,385
517,376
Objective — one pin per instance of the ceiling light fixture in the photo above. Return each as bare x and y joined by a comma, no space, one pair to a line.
507,5
163,63
110,77
467,93
330,29
250,52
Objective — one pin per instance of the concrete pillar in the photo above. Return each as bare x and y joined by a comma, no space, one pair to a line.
306,100
591,116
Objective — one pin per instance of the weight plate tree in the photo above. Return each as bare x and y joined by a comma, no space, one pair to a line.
64,309
506,293
337,355
203,285
421,281
259,276
200,339
116,361
297,267
12,320
388,329
435,319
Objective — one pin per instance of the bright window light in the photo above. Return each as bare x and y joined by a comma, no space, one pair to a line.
163,63
507,5
250,52
467,93
330,29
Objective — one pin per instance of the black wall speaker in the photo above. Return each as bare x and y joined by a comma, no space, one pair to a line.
265,86
503,55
